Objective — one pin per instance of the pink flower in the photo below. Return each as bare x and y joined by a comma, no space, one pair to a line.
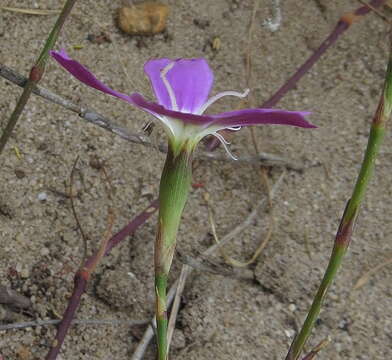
182,88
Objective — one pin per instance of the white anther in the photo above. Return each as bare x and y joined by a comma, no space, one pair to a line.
169,89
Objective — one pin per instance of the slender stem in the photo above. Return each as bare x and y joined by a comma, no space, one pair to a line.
82,276
347,223
149,333
36,73
342,25
161,315
300,340
173,193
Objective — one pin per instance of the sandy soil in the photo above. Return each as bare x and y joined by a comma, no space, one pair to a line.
221,317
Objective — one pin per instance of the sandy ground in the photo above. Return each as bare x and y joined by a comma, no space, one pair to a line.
221,317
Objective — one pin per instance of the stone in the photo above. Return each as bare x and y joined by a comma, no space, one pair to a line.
147,18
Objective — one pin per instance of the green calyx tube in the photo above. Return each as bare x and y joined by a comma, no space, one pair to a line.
173,193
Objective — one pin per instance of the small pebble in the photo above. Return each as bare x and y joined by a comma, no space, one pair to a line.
292,307
147,18
42,196
20,174
24,273
44,251
99,38
201,23
289,333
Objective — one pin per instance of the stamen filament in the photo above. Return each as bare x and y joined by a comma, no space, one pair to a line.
166,122
210,101
224,142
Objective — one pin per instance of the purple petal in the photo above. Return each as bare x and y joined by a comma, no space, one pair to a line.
246,117
190,79
249,117
84,75
151,107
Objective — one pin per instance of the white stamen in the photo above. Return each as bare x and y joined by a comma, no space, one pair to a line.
221,138
224,142
210,101
169,89
234,128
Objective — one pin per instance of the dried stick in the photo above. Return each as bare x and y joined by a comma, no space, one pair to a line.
75,215
82,277
85,113
149,333
348,220
228,259
343,24
366,276
185,270
26,324
312,354
36,72
13,298
376,11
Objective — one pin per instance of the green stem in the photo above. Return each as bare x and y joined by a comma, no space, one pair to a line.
347,223
36,73
173,193
161,315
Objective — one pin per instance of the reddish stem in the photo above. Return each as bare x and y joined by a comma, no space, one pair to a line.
82,276
343,24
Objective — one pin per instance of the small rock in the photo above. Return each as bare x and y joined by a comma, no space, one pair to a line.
24,273
20,174
42,146
292,307
44,251
289,333
146,18
201,23
23,353
42,196
5,210
96,163
99,38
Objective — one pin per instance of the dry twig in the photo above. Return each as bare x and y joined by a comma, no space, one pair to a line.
185,270
13,298
31,11
26,324
362,281
229,259
312,354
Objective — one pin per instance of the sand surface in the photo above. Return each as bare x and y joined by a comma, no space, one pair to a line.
221,317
